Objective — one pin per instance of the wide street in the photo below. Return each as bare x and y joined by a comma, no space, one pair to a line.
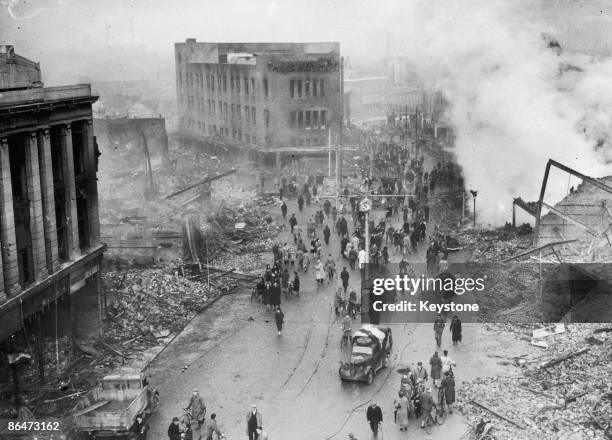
293,379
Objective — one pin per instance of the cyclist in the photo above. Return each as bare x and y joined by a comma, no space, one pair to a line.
428,407
340,300
347,323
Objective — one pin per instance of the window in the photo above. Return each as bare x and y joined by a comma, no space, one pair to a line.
246,113
220,108
307,88
254,139
292,119
237,84
253,114
314,88
253,86
315,119
323,118
299,88
246,86
224,83
307,119
214,109
219,82
225,108
240,135
232,83
265,87
239,111
300,119
293,142
321,88
248,138
233,111
266,116
292,88
212,82
179,58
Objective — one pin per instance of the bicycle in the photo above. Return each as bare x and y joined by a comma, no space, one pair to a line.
441,415
482,430
428,423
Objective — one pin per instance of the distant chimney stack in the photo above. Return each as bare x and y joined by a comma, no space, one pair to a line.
9,51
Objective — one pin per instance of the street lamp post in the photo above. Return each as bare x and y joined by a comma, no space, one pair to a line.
474,194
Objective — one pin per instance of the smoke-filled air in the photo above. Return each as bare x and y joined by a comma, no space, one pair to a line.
517,99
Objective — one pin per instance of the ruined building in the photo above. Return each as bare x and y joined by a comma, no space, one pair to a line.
268,97
49,228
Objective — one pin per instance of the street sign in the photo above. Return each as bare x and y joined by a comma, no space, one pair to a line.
365,205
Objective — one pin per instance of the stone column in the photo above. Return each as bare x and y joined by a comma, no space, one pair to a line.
71,208
37,230
10,266
92,185
48,199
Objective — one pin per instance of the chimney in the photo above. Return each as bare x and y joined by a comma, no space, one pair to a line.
9,50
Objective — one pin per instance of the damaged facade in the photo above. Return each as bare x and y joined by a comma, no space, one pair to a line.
49,228
269,96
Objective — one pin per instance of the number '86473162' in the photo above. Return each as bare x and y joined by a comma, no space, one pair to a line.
33,426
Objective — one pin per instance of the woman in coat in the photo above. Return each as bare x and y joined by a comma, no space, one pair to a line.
401,406
296,284
319,274
455,328
448,385
436,369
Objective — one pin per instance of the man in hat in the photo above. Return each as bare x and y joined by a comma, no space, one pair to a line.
254,422
428,406
138,429
197,407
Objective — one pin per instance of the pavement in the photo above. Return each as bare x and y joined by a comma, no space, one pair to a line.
232,353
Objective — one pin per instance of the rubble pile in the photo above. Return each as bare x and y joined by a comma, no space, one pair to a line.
564,394
152,303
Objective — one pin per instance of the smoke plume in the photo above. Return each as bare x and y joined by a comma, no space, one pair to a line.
516,99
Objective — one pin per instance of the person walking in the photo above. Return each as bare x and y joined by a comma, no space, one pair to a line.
197,407
436,369
211,428
401,406
292,222
344,276
284,210
174,433
296,284
455,328
448,385
374,417
254,422
319,274
326,234
447,362
439,325
279,317
300,202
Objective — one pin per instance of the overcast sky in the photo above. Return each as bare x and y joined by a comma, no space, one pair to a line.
52,30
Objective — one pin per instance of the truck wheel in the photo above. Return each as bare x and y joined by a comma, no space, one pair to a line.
370,377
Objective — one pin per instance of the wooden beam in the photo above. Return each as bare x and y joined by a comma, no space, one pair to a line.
531,251
501,416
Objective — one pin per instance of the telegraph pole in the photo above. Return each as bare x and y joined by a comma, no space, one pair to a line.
340,143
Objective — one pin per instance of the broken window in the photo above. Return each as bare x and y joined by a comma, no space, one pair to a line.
253,86
233,111
237,84
232,83
253,116
212,82
322,88
246,113
299,88
292,88
239,111
224,83
265,87
315,119
314,88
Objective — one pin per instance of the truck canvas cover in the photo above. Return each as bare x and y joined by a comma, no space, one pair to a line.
368,334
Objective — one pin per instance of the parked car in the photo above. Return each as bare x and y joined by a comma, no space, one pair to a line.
371,347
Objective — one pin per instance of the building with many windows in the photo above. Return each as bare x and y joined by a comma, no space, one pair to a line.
270,96
49,227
